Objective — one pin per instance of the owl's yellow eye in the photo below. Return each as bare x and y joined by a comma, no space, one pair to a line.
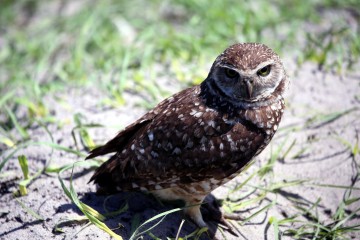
230,73
263,72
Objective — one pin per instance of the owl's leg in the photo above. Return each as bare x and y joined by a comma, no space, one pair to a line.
192,203
195,214
193,211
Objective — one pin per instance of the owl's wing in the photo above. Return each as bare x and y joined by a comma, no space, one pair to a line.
119,142
181,142
121,139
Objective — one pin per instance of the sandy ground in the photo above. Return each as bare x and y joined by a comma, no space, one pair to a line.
323,160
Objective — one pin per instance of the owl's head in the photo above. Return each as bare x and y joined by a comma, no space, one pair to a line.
247,73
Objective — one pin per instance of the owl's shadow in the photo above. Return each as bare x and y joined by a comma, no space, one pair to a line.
139,207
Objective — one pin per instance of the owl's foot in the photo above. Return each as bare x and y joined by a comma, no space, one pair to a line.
214,214
195,215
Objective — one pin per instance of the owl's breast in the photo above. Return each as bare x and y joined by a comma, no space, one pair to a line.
252,129
265,119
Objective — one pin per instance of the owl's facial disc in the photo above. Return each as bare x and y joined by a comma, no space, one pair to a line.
247,85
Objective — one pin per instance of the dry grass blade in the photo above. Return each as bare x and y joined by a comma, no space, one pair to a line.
79,220
180,227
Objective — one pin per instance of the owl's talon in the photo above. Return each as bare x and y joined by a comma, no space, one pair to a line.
229,227
232,216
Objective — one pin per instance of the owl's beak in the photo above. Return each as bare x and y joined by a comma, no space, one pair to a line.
249,87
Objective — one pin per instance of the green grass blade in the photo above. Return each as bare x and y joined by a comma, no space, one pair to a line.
258,212
7,141
135,223
323,119
117,212
280,185
23,133
161,216
25,169
94,216
336,186
24,166
57,169
243,183
343,221
243,204
6,97
267,168
30,211
28,179
275,222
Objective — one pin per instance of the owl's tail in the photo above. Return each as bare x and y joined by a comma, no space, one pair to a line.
103,178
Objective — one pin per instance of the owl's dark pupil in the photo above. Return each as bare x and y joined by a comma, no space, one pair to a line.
230,73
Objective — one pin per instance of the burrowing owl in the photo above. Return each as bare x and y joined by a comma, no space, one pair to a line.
203,136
